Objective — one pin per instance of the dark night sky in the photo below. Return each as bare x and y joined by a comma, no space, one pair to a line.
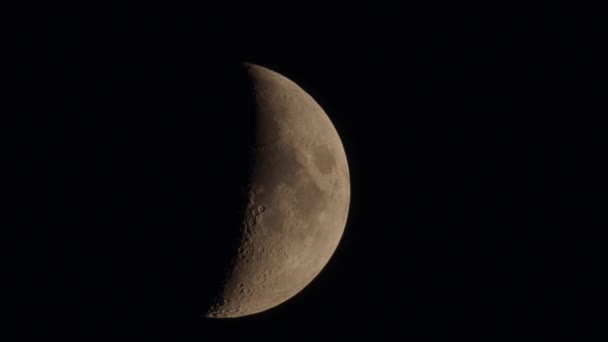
472,143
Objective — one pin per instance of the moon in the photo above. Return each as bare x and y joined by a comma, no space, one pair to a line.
298,199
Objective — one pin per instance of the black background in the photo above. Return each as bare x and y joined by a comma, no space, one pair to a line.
472,142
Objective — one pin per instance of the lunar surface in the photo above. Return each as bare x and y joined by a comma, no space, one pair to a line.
298,201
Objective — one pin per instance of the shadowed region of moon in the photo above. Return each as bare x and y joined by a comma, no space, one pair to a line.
297,202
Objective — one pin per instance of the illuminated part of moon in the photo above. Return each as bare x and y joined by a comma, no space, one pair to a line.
298,199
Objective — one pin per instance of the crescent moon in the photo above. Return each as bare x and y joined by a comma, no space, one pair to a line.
298,199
